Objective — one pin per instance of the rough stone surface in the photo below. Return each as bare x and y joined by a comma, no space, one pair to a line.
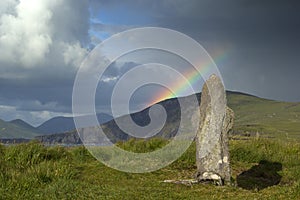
71,138
216,120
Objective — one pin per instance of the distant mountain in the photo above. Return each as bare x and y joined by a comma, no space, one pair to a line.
114,133
23,124
17,129
252,115
57,125
64,124
172,108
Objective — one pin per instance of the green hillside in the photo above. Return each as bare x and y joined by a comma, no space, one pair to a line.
252,115
16,130
267,117
23,124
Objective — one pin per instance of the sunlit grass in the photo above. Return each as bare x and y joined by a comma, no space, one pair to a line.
32,171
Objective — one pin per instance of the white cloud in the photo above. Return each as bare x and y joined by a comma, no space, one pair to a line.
31,29
109,79
6,108
42,116
7,6
74,54
37,118
25,36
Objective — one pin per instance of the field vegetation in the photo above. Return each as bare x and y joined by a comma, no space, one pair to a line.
261,169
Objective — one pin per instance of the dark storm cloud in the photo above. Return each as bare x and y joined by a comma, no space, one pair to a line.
242,22
46,91
259,38
43,89
263,37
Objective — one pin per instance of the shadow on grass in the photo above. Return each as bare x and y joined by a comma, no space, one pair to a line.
260,176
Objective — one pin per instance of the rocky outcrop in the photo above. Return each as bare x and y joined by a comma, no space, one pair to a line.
216,120
70,138
14,141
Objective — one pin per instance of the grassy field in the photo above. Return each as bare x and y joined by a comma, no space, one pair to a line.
267,117
261,169
264,167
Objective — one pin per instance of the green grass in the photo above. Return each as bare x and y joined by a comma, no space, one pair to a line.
267,117
32,171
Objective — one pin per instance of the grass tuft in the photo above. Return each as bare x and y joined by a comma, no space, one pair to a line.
261,169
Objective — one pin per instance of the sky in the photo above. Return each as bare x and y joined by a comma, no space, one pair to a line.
43,42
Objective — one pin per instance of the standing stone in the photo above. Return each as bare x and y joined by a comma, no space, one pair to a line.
216,120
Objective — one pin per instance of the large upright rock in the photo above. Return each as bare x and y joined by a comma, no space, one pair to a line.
216,119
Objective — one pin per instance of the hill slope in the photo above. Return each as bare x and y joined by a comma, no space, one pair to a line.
64,124
57,125
17,129
23,124
252,115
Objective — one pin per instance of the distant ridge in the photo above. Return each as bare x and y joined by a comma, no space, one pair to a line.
241,93
64,124
22,123
17,129
253,115
57,125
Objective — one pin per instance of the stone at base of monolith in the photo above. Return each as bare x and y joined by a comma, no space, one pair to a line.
216,119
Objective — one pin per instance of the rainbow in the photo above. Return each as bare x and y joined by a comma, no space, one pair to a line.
192,76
